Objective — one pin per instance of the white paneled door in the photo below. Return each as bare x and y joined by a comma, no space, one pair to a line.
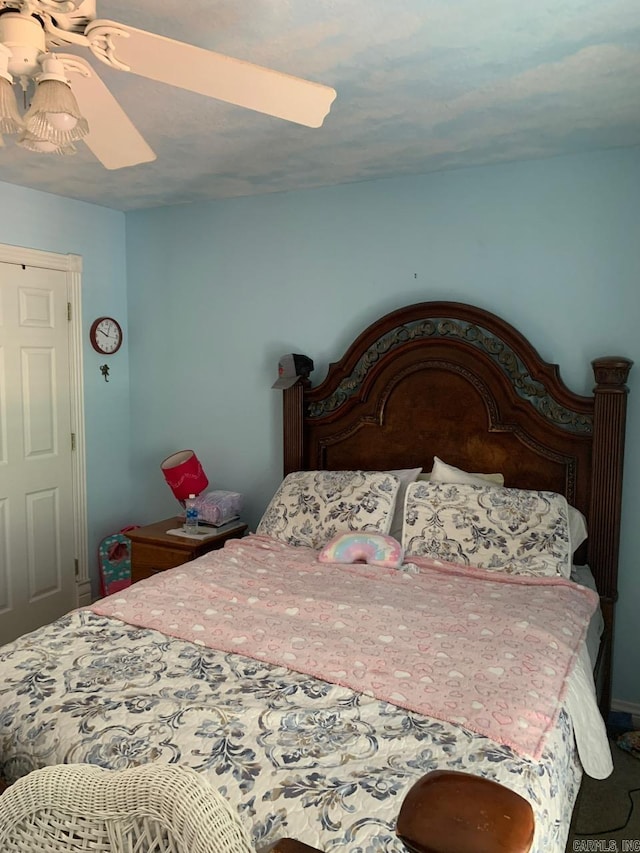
37,549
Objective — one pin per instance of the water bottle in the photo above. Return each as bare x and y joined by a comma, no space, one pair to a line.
190,515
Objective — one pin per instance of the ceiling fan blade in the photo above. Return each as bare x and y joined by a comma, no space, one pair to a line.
211,74
112,137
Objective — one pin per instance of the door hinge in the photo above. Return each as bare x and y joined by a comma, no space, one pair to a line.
69,311
77,566
73,441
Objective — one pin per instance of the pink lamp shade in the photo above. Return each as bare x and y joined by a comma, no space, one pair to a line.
183,472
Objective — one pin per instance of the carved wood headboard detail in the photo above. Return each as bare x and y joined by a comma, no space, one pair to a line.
455,381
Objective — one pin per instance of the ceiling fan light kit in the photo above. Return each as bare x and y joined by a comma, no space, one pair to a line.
23,36
44,146
53,120
10,118
32,30
54,113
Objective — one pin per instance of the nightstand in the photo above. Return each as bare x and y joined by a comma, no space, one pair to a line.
154,550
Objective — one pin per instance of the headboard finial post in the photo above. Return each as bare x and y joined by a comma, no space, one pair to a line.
611,372
610,408
609,417
293,425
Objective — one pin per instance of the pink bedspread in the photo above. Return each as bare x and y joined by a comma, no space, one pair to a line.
486,651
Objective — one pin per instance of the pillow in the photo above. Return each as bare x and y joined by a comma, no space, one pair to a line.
496,479
443,473
508,530
577,528
406,476
375,549
311,507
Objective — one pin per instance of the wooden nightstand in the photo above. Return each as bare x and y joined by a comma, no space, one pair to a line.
153,549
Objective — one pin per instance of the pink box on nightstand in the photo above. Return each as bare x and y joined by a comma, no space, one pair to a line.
218,507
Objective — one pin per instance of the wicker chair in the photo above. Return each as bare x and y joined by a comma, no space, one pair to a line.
155,808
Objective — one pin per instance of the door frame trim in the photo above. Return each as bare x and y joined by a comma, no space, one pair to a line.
72,266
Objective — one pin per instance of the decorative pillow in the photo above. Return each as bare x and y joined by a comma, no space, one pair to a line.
406,476
311,507
507,530
375,549
443,473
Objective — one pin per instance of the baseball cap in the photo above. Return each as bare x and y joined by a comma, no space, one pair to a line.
292,367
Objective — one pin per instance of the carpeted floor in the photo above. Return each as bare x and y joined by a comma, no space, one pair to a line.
604,810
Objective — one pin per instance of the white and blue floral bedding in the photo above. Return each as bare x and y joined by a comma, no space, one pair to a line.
299,757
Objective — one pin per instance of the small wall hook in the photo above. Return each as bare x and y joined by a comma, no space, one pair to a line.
104,369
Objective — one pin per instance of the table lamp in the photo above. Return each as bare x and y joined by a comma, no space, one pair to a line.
183,472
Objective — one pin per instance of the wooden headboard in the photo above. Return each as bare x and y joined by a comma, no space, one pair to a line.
450,380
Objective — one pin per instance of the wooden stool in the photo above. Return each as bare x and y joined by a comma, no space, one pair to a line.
451,812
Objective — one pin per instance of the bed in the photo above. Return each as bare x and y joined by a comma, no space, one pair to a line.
150,674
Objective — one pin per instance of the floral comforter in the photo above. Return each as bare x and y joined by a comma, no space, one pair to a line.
299,756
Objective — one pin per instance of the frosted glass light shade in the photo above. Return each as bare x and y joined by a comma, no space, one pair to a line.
54,114
44,146
61,121
10,118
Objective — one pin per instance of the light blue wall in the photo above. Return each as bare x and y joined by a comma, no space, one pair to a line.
217,292
47,222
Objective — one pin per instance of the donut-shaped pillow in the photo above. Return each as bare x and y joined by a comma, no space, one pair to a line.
375,549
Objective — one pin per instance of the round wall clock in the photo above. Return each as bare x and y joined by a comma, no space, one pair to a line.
105,335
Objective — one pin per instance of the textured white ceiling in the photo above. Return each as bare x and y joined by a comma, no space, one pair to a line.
422,86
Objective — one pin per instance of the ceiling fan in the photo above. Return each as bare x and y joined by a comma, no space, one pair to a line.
31,31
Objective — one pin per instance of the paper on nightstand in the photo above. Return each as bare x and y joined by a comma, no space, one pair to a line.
202,535
205,532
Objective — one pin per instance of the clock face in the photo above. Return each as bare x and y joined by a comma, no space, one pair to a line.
106,335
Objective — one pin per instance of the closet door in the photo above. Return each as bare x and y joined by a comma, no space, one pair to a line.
37,559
